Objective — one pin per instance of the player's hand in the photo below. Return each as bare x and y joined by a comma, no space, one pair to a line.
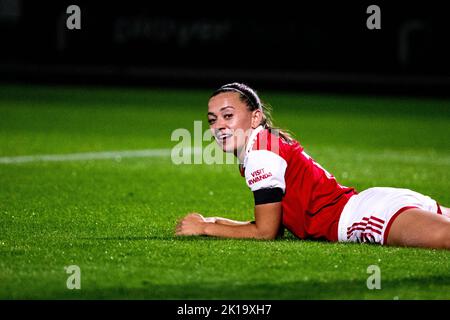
191,225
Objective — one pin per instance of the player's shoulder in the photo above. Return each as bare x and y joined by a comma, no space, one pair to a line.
274,141
268,149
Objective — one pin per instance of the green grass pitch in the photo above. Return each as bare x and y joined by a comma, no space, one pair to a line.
115,218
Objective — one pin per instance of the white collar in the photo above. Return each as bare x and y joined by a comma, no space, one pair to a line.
252,139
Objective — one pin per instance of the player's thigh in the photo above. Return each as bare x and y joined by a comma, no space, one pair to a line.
420,228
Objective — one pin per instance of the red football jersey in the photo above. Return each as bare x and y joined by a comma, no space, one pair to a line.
313,200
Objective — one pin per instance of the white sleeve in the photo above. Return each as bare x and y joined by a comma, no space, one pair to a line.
265,170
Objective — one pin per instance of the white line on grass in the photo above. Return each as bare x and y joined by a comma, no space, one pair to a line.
391,155
116,155
398,157
153,153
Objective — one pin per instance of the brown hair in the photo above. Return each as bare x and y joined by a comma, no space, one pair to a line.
253,102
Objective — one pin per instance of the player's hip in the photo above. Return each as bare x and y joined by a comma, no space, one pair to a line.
368,215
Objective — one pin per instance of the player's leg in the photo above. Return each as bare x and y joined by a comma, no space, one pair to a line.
420,228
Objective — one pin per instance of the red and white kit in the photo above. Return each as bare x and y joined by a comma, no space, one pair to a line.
315,205
368,216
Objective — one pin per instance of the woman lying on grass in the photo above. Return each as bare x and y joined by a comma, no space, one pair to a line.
291,190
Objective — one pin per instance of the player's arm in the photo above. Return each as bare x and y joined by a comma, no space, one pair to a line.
265,176
266,226
225,221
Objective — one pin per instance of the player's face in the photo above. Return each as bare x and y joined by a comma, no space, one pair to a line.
230,121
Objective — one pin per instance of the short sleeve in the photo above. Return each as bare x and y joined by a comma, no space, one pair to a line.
264,174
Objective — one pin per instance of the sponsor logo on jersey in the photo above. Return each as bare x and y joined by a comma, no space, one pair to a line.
258,175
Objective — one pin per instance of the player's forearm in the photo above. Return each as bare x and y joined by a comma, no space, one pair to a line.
226,221
243,231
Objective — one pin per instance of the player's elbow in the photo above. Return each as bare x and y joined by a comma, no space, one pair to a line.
266,234
268,237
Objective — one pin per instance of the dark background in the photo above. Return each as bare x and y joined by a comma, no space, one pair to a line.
293,46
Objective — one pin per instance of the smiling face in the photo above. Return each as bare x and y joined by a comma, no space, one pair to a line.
231,121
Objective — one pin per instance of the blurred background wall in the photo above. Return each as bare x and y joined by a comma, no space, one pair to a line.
320,46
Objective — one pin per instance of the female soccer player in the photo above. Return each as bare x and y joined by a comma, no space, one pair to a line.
291,190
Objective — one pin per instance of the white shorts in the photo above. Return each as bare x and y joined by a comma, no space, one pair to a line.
367,216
